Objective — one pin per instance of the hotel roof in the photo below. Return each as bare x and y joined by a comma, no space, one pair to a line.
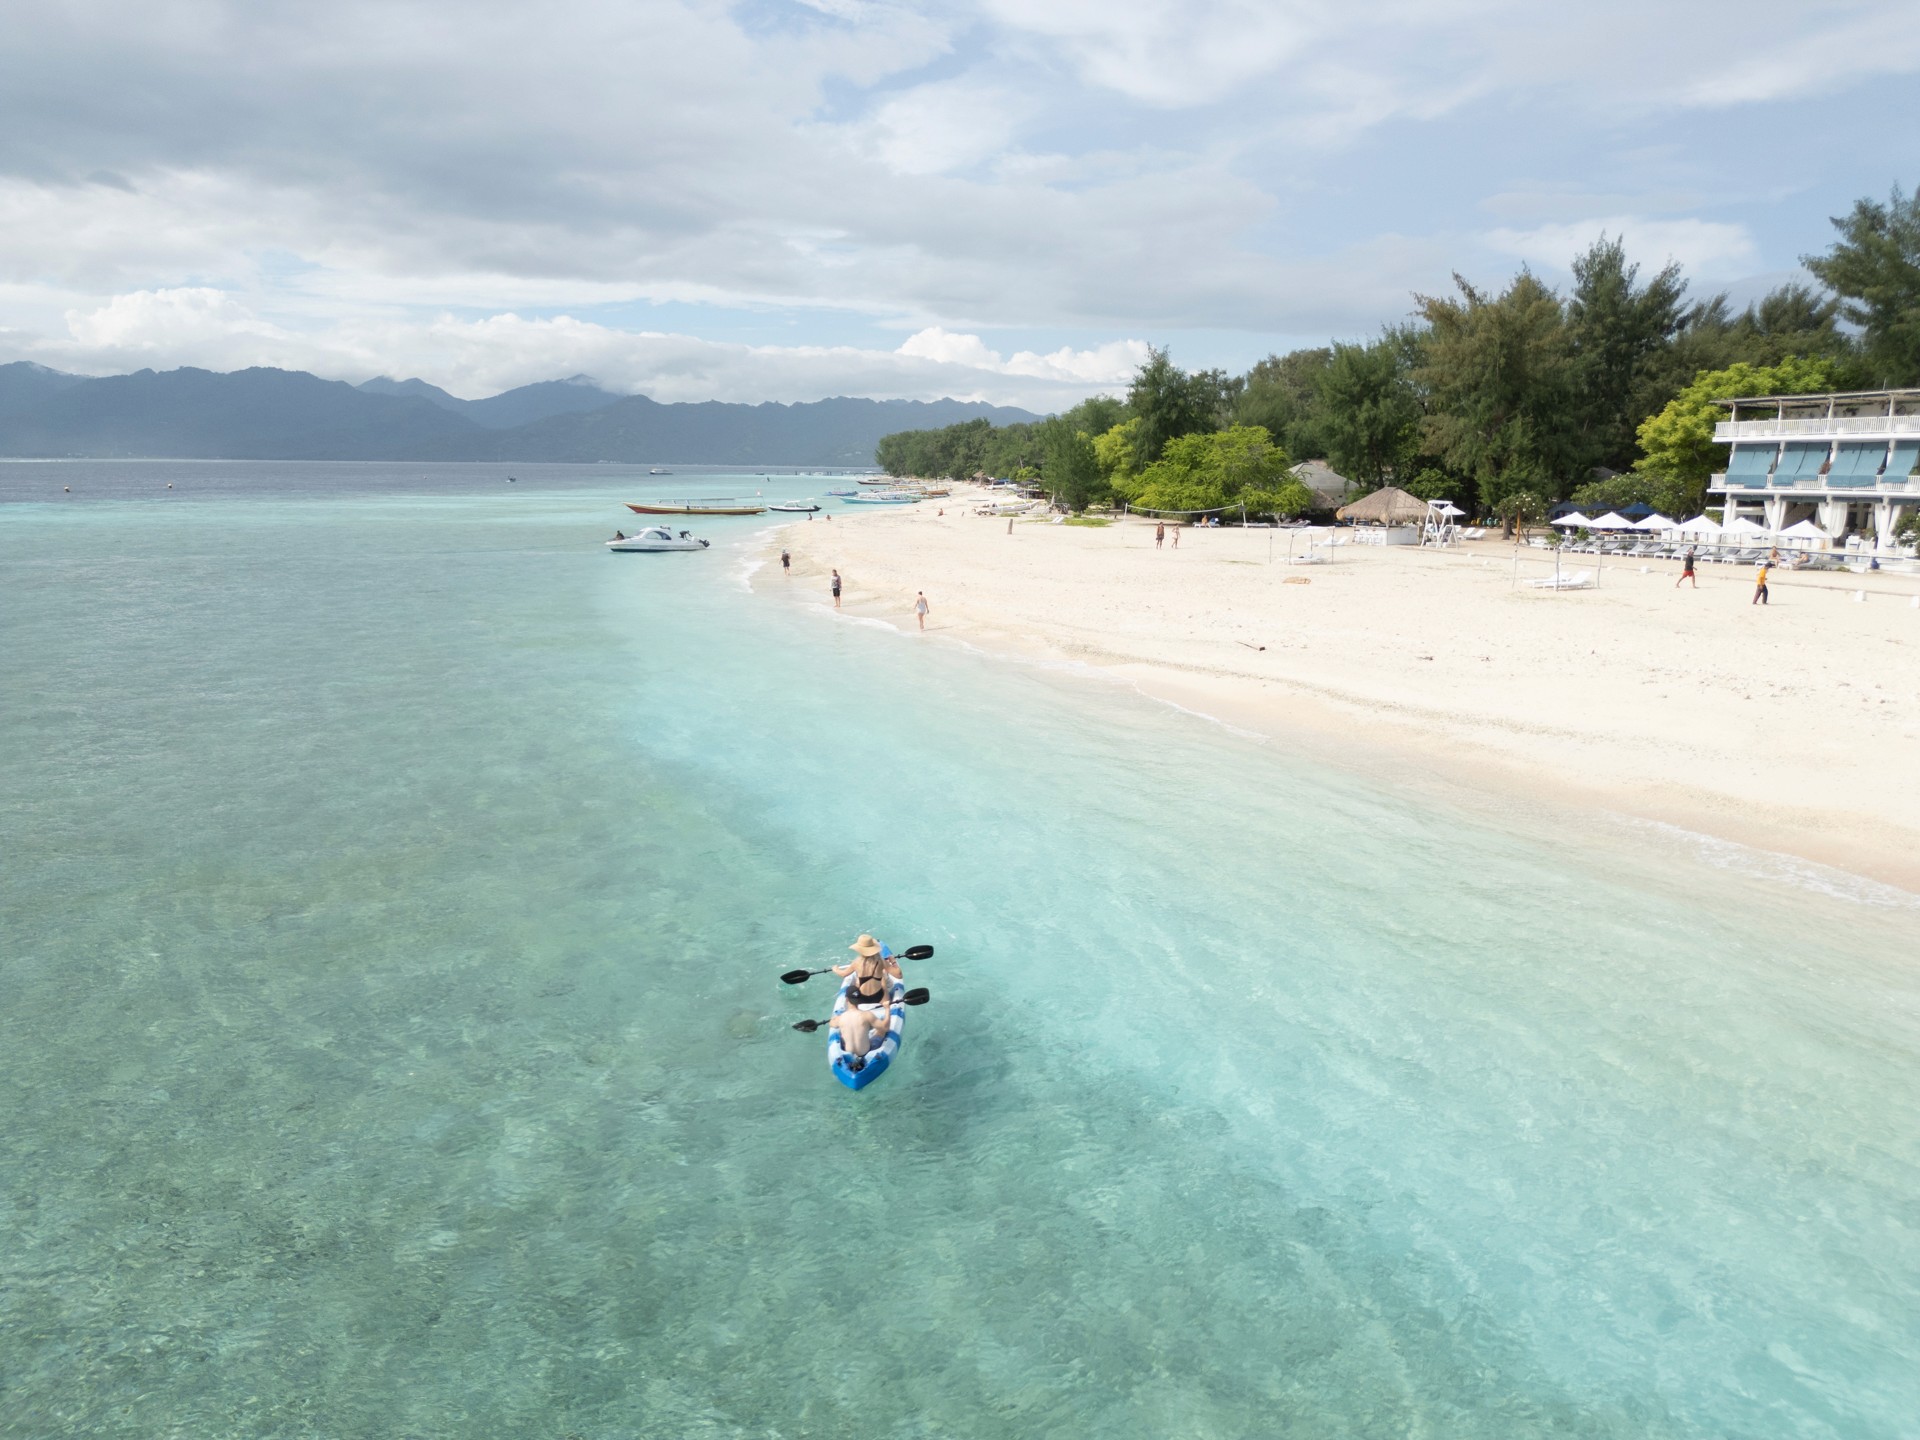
1824,395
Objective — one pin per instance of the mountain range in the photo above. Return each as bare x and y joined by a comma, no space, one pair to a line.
265,414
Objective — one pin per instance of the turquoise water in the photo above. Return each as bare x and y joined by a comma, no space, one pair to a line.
394,891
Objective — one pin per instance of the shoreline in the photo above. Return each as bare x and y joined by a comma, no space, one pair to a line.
1795,739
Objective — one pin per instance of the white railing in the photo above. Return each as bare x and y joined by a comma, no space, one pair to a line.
1883,427
1901,486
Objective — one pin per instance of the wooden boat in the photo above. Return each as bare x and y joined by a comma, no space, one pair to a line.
714,506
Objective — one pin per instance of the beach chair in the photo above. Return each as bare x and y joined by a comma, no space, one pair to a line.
1567,580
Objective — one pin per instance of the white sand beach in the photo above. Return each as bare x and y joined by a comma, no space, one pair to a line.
1789,728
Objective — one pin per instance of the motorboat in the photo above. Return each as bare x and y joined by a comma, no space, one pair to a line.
658,537
876,480
657,470
887,497
842,494
794,507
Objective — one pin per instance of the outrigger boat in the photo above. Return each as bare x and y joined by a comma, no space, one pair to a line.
887,497
657,537
715,505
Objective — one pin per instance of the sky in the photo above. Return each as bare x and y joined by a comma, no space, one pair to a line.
1006,200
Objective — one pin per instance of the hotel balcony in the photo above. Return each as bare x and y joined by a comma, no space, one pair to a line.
1850,427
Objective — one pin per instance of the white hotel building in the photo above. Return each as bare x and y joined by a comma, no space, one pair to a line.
1844,461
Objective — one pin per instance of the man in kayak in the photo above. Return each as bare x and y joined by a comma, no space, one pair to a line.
863,1025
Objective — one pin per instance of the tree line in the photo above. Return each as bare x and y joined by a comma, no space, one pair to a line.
1503,401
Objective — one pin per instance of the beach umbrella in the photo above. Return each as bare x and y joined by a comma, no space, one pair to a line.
1741,525
1655,521
1698,525
1611,521
1574,521
1807,531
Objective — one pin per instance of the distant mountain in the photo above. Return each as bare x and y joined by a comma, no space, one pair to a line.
513,407
540,401
840,431
418,389
264,414
25,386
247,415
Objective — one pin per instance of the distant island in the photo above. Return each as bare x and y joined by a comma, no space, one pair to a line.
266,414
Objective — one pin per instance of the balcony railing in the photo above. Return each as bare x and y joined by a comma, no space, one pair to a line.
1876,426
1882,486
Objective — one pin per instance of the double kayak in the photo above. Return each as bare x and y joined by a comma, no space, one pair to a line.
881,1056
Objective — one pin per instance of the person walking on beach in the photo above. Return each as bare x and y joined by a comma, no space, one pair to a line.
836,589
920,609
786,560
1176,535
1760,585
1009,524
1159,534
1686,571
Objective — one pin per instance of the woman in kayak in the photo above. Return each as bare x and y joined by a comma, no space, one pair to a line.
864,1023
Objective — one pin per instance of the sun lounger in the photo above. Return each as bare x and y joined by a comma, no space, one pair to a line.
1571,580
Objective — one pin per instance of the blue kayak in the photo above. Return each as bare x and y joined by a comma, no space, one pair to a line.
879,1058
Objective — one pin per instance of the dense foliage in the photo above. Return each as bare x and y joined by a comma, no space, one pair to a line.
1504,401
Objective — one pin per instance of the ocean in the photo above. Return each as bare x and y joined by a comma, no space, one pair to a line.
394,887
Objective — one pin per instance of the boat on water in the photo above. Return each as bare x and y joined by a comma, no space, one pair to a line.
656,470
712,505
886,497
794,507
876,480
842,494
658,537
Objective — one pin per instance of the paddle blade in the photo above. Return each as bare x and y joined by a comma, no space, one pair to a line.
807,1027
794,977
916,997
917,952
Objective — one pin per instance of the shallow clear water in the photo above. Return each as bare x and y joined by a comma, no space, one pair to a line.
394,890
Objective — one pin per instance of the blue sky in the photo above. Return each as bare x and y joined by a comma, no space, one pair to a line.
786,199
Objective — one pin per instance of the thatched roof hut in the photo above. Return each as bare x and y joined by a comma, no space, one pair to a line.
1388,505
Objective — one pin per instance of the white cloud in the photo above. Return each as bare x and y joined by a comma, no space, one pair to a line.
1251,168
1703,247
481,357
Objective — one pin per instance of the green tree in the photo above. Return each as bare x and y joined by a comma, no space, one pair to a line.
1281,394
1874,267
1170,403
1617,331
1071,470
1677,446
1117,452
1496,375
1238,465
1369,410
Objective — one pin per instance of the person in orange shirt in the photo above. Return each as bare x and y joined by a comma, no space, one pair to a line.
1760,585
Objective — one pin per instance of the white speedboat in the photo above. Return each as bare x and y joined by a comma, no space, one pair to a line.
886,497
658,537
794,507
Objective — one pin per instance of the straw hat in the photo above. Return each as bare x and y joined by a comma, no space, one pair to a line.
866,946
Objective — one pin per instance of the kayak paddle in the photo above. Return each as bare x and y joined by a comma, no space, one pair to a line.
912,997
912,952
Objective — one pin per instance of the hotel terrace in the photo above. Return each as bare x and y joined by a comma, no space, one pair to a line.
1844,461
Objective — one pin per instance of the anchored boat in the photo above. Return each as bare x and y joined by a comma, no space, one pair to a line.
658,537
711,505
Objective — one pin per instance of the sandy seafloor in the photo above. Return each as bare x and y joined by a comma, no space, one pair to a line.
395,887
